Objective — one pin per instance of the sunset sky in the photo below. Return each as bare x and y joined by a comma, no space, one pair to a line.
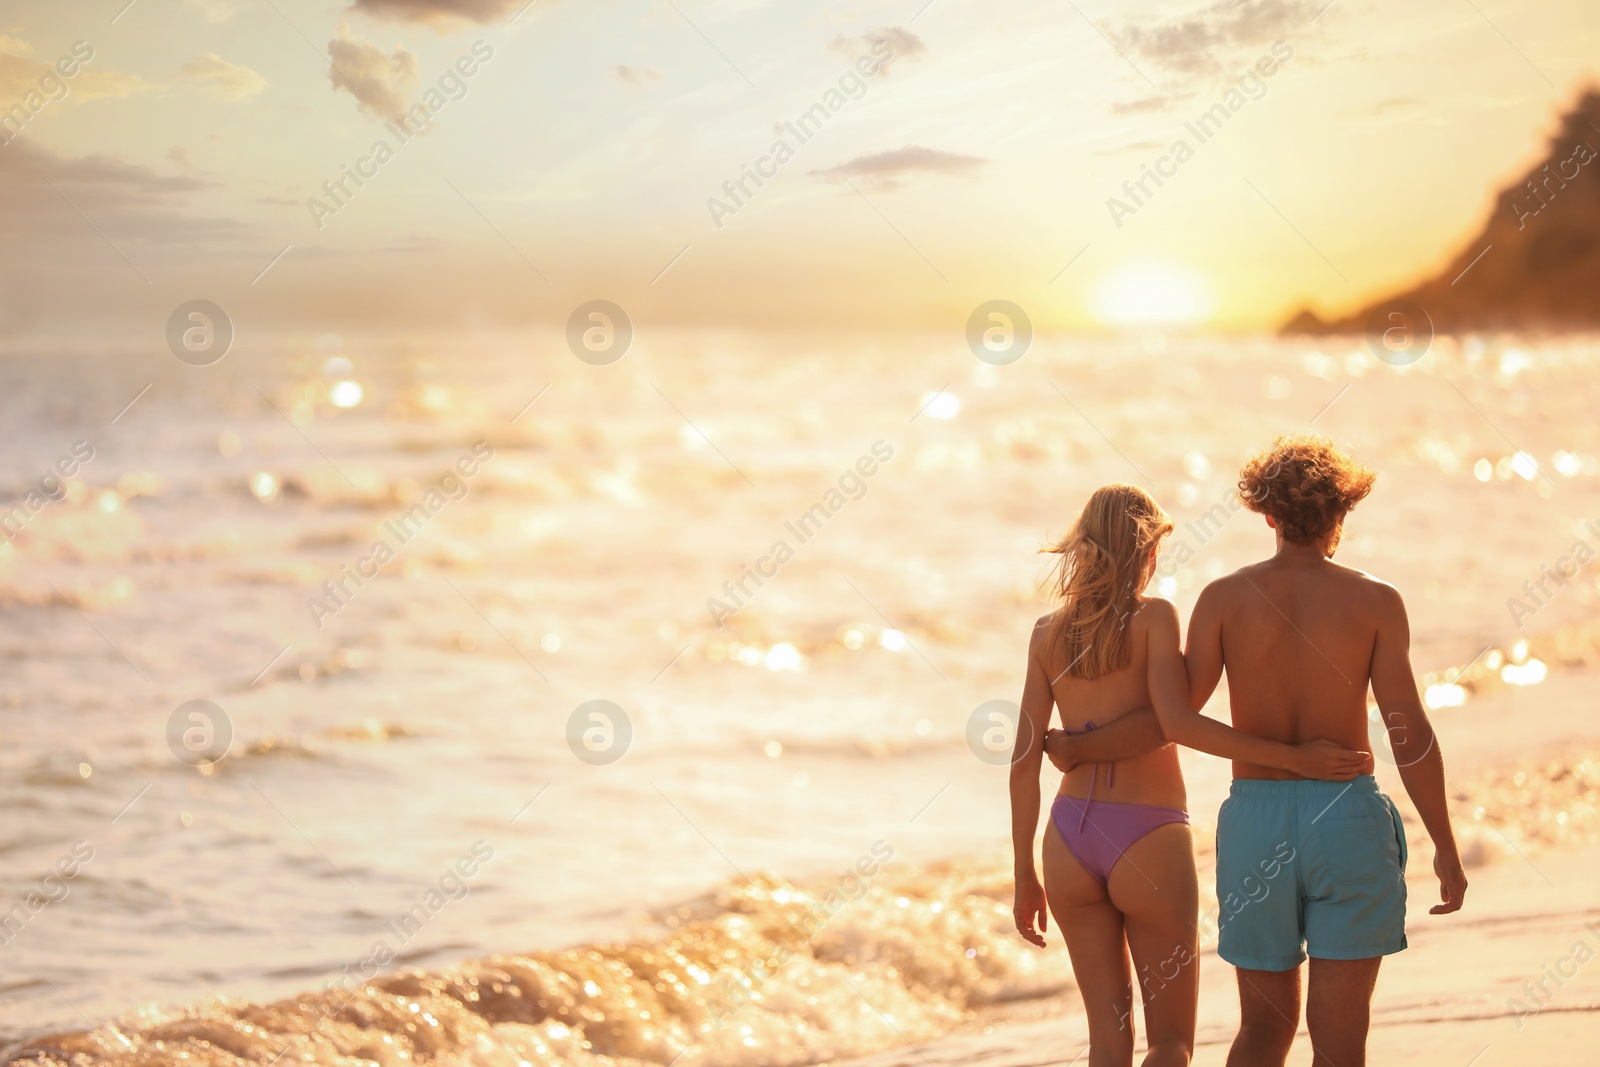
578,158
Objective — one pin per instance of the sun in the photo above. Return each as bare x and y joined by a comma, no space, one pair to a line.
1151,293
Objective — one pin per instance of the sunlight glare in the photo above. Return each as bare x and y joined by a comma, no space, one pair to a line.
1149,293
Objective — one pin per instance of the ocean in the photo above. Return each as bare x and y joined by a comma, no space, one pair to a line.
453,699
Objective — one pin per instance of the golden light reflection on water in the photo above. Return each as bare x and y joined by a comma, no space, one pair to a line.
1525,663
555,472
753,969
1549,803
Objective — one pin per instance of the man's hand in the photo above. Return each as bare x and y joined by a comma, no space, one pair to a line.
1452,883
1030,907
1058,746
1328,762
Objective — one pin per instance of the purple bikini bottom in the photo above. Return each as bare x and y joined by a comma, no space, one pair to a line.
1099,838
1098,842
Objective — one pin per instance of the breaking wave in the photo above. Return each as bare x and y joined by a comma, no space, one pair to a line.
895,963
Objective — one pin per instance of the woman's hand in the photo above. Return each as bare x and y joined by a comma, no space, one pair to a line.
1058,746
1328,762
1030,907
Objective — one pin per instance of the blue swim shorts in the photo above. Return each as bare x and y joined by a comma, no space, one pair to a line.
1309,868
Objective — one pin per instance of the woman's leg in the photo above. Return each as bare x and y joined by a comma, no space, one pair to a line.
1155,888
1093,929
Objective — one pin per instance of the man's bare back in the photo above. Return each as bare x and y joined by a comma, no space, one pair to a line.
1297,633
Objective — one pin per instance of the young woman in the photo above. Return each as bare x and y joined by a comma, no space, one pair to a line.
1119,870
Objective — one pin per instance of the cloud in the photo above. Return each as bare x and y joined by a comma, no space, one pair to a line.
21,75
439,13
1147,104
635,75
218,10
886,170
412,244
18,75
1147,145
1203,42
1393,104
906,45
216,76
104,84
79,231
126,201
380,81
1396,110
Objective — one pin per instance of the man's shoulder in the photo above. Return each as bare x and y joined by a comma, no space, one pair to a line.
1250,572
1383,593
1247,582
1225,586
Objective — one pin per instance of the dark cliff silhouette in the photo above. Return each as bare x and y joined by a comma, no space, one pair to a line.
1543,269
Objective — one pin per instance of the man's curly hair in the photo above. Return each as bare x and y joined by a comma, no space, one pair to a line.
1305,485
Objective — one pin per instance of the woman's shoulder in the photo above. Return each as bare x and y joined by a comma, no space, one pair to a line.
1041,629
1156,611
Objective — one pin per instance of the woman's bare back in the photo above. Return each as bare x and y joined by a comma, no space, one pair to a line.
1153,778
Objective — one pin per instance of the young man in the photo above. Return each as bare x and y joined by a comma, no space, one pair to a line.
1307,867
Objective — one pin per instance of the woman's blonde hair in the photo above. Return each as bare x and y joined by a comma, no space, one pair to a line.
1102,573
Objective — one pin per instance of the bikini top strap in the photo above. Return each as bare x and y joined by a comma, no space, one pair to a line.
1094,776
1110,765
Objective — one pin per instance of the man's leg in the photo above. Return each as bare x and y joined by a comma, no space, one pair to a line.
1269,1014
1339,1010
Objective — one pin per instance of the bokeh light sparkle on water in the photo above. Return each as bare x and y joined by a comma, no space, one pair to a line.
430,712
